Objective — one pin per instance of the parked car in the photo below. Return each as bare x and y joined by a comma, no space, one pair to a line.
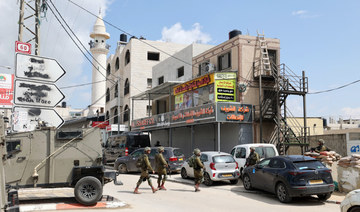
174,157
123,144
290,176
242,151
351,202
218,166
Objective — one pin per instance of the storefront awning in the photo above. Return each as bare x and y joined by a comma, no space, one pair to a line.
158,92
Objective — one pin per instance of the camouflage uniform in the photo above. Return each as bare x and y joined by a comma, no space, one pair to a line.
145,168
253,158
321,147
198,166
161,165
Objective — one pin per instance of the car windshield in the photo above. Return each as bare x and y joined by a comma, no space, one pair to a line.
310,164
223,159
178,152
265,152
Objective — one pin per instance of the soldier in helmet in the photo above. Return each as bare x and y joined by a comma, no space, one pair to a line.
321,146
161,166
145,168
198,166
253,157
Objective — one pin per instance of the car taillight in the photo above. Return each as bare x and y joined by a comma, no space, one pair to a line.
126,151
212,166
296,173
328,171
237,165
173,159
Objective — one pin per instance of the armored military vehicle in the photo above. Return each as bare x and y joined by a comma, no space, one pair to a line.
58,158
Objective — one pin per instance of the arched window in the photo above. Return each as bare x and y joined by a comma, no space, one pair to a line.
126,113
116,90
108,70
116,116
107,95
117,64
127,57
127,86
107,116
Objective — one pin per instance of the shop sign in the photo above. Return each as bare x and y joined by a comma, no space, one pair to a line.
188,116
233,112
100,124
194,84
161,120
225,87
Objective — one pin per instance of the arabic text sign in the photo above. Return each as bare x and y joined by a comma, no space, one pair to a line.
6,90
37,94
37,68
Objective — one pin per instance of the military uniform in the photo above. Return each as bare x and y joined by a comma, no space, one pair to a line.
198,174
253,158
161,164
145,168
321,148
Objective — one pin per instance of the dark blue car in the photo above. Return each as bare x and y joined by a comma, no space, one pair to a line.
290,176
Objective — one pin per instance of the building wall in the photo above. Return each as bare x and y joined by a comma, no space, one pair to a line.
314,124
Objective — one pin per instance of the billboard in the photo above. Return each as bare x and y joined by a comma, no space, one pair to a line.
225,87
6,90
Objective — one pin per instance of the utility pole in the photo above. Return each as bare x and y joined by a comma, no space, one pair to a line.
3,194
30,22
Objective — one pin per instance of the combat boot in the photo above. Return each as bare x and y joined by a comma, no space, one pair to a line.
197,187
162,187
136,191
153,189
159,187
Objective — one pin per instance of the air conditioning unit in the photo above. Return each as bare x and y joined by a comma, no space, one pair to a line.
209,67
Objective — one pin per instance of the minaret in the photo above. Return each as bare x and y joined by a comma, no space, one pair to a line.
99,50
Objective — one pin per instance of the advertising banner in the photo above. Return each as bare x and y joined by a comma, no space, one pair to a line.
6,90
233,112
225,87
194,84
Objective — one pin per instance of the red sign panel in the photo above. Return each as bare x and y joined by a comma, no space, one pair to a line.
100,124
22,47
6,90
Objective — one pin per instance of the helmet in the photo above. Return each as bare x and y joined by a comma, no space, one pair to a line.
252,148
321,141
160,149
147,149
196,151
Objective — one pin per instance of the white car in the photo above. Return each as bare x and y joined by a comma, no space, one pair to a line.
351,203
218,166
242,151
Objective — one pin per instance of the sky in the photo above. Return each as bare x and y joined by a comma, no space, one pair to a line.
318,37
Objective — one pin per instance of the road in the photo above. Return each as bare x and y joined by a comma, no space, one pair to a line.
221,196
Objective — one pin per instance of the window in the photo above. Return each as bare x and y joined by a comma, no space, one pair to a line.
108,69
127,86
117,65
202,67
223,159
13,146
107,116
149,82
137,153
126,113
116,116
116,90
180,72
204,158
224,61
148,110
276,164
240,153
67,135
127,57
153,56
107,95
264,163
160,80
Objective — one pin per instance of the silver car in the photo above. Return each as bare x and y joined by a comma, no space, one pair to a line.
218,166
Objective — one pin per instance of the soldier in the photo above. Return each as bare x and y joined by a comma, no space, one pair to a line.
161,166
321,146
253,157
198,166
145,168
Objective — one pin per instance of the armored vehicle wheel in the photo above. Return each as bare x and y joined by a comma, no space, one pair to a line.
88,190
207,179
183,173
122,168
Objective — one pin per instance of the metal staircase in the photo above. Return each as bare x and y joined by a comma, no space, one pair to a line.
277,83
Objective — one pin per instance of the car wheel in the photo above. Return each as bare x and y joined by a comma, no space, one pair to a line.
88,190
324,197
207,180
234,182
122,168
247,182
354,209
183,173
282,193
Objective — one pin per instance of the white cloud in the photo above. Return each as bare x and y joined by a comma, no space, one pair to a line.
299,12
304,14
348,112
55,43
177,34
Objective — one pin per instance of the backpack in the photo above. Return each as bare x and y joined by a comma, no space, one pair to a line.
191,161
140,161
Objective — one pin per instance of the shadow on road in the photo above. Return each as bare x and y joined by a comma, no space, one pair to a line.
183,190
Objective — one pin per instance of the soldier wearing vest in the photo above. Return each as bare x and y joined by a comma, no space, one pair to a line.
321,146
161,166
145,168
198,166
253,157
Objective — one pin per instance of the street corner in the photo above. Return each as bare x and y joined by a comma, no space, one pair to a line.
107,202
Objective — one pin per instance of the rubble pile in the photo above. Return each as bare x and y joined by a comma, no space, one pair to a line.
327,157
350,161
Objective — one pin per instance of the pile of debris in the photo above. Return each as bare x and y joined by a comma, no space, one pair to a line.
350,161
327,157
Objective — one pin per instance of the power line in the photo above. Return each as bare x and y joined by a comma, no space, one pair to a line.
337,88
